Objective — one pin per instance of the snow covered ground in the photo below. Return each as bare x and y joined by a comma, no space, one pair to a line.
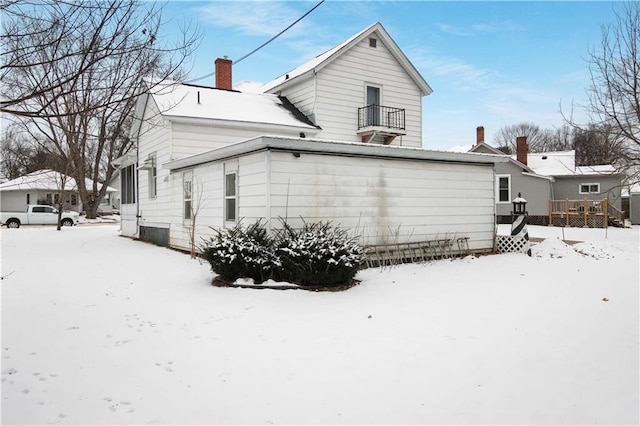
100,329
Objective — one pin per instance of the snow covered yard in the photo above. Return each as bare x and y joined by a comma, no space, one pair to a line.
100,329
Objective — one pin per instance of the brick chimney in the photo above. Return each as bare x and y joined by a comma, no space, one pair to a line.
479,134
522,150
223,74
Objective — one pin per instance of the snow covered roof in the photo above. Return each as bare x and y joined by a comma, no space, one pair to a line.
44,180
176,100
331,147
563,163
330,55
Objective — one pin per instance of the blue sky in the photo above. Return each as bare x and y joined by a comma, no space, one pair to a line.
489,63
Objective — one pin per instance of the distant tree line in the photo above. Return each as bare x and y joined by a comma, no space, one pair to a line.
594,144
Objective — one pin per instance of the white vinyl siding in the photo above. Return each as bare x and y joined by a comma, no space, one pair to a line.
302,95
380,200
385,200
209,196
338,93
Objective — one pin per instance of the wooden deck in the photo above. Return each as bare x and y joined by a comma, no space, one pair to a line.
584,213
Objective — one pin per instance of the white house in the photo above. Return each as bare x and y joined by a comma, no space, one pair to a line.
43,187
338,138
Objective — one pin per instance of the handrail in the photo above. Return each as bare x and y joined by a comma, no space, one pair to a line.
615,212
382,116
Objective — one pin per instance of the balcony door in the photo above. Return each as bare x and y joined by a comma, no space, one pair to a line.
373,106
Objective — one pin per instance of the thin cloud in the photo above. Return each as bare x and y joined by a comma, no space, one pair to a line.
454,30
479,28
463,75
254,18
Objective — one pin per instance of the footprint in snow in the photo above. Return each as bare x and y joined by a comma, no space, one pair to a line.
168,368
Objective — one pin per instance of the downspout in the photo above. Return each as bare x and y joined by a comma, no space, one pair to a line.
268,190
315,97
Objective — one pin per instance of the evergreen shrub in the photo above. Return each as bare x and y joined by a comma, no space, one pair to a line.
317,255
241,253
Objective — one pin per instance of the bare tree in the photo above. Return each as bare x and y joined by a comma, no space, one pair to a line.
598,144
73,79
197,202
21,154
614,93
538,139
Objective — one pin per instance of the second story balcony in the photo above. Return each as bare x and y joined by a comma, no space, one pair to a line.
381,120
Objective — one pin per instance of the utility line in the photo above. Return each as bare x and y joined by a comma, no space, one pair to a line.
263,44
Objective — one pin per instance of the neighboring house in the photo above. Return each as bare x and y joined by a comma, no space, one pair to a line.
513,178
41,187
544,177
337,139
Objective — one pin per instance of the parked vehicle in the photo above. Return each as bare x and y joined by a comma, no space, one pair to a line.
37,215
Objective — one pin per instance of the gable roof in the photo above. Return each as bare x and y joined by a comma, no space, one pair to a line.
179,100
322,60
44,180
484,148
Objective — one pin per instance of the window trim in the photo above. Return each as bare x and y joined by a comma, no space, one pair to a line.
589,185
508,177
233,197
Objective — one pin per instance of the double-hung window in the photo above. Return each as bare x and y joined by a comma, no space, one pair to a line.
230,196
503,188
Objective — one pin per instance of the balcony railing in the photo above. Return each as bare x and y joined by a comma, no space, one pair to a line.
381,116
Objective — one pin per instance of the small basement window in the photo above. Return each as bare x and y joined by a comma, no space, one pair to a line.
373,42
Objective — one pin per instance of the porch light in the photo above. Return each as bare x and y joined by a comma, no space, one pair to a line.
519,205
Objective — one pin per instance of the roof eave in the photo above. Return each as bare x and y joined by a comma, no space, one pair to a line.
330,148
237,124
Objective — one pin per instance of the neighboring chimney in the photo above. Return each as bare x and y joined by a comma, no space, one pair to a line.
479,134
521,149
223,74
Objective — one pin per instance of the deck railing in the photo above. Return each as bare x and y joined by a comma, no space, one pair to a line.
586,213
381,116
614,212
